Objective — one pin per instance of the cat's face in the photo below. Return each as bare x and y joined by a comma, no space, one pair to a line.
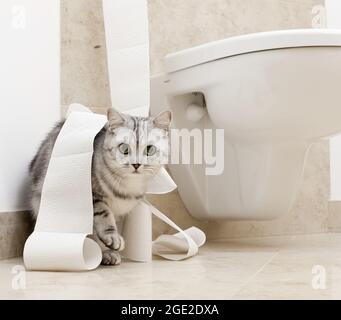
137,147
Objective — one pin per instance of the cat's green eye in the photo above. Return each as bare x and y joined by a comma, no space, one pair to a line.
150,151
124,148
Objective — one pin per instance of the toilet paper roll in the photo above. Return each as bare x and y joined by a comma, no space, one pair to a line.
137,232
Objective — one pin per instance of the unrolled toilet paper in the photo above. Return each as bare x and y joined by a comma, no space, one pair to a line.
180,246
60,241
65,219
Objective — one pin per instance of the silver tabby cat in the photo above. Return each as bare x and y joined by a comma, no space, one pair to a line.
127,153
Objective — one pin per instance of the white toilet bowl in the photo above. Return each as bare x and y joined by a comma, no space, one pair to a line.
274,94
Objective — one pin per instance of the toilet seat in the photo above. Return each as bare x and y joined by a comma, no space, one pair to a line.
251,43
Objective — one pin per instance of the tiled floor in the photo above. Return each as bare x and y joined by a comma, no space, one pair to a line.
299,267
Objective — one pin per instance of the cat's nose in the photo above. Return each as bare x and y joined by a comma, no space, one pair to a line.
136,166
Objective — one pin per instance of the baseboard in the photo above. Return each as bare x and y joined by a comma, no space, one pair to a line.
334,216
15,227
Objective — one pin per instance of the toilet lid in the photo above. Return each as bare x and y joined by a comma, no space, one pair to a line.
252,43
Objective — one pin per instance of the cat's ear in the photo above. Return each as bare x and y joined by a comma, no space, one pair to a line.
163,120
115,119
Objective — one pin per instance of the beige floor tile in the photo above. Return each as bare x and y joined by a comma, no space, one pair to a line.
260,268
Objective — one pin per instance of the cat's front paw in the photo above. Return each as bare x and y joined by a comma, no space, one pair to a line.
112,240
111,258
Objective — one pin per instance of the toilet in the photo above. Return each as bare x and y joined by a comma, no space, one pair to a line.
274,94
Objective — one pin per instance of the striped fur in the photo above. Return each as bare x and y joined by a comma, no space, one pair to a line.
119,181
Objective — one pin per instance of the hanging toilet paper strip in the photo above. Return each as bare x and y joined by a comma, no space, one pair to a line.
127,42
60,240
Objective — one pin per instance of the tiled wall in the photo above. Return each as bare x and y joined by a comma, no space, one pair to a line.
14,229
179,24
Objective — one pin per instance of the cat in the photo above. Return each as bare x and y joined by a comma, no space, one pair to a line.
127,153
